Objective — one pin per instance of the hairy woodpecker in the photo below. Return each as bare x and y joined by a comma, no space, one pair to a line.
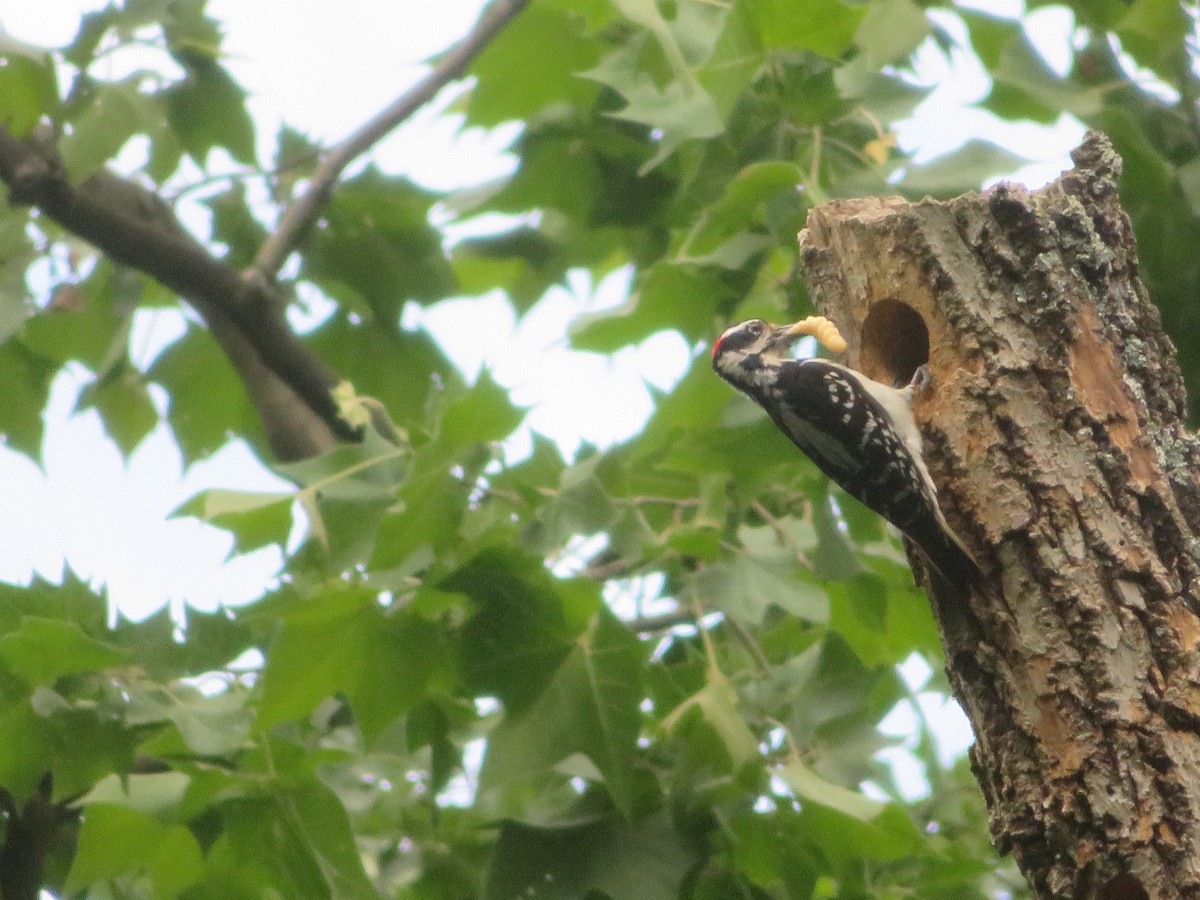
859,432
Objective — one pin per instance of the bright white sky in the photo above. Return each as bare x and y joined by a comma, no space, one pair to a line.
325,71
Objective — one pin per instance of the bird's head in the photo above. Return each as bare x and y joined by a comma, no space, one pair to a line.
748,346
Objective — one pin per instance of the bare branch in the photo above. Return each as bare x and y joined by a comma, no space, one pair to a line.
614,567
133,226
662,621
30,833
782,532
301,215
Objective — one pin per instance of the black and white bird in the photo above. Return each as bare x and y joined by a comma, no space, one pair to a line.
858,431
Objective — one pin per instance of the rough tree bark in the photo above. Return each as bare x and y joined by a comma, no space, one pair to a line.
1054,428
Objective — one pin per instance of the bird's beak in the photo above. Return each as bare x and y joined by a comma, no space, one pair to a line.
797,330
783,336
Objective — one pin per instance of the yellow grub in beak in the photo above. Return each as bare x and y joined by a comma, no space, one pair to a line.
822,329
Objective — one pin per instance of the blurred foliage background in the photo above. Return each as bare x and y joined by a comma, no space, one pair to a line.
655,671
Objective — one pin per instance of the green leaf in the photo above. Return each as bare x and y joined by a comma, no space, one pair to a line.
111,114
1189,183
742,204
1153,33
90,741
346,492
736,59
208,401
747,588
1025,87
89,327
681,110
848,841
125,406
41,650
701,542
212,640
890,31
961,170
808,785
825,27
432,507
888,34
717,703
670,98
581,505
72,600
343,641
93,26
155,794
374,247
26,375
207,109
210,725
482,414
366,355
28,87
293,841
119,841
30,743
989,34
589,707
647,14
175,863
235,226
113,841
681,297
648,860
774,850
508,88
525,625
255,519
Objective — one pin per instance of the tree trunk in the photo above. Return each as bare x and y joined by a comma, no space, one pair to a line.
1054,429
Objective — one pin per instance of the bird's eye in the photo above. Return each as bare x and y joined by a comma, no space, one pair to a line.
755,326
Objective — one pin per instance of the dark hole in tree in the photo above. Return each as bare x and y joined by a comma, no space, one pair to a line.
895,342
1123,887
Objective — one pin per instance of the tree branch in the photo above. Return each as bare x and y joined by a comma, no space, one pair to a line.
30,833
288,384
301,215
662,621
133,226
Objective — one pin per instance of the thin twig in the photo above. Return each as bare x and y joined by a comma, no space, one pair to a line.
613,568
648,500
662,621
710,652
1188,103
781,531
742,633
301,215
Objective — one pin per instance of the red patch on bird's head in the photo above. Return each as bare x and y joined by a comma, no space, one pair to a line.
717,346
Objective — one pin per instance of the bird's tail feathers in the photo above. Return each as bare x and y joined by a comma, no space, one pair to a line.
950,557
